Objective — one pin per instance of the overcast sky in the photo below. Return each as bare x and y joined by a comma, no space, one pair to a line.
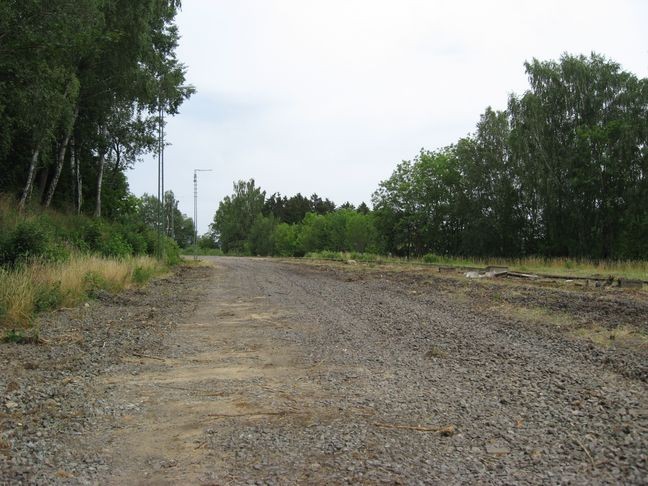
327,96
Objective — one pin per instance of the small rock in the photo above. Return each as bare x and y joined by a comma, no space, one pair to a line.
497,450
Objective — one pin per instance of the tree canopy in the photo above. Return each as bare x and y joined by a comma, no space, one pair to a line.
563,171
82,82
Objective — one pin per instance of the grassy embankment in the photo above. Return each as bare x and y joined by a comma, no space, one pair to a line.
550,266
50,260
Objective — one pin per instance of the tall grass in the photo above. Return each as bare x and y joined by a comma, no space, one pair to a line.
39,286
634,269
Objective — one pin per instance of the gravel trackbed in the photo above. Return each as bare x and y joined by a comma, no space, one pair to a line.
259,371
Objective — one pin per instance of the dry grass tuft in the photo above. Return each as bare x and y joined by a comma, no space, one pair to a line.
625,335
17,296
41,286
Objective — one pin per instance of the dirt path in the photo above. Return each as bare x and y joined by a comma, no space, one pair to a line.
290,374
269,372
229,363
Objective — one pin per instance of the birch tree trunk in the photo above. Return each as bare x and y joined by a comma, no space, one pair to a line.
60,161
76,177
101,165
30,180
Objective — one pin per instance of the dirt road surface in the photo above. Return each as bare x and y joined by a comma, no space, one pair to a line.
270,372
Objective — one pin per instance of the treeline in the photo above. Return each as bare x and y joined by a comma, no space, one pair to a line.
248,223
563,171
83,85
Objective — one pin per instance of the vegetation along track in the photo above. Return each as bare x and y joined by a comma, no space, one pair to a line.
285,372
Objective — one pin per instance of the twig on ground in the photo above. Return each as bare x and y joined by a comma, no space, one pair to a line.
447,430
589,455
148,356
227,415
202,392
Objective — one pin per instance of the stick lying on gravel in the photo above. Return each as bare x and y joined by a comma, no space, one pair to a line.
251,414
148,356
445,431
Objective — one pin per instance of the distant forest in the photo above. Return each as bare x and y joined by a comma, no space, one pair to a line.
563,171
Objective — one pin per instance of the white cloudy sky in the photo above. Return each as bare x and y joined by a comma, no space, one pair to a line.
327,96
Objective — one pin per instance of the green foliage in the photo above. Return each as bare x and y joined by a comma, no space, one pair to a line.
116,246
341,256
206,242
87,75
141,275
136,240
48,297
249,224
176,225
20,337
261,237
431,258
93,231
287,240
171,252
27,241
51,237
192,250
94,282
236,215
327,255
561,172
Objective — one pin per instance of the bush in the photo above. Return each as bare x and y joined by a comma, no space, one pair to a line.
286,240
431,258
48,296
137,241
26,241
364,257
116,246
192,250
141,274
93,235
94,282
171,252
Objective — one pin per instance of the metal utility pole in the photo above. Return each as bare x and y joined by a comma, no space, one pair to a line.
164,219
160,182
195,220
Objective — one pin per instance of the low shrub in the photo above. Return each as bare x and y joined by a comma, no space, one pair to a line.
137,242
364,257
26,241
48,296
116,246
192,250
431,258
20,337
171,252
93,282
142,275
92,235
